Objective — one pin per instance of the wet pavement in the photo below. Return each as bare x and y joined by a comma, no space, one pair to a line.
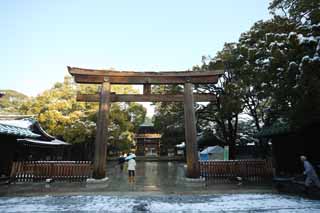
151,178
159,187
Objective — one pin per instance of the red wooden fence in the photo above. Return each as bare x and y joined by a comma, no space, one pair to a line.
255,170
27,171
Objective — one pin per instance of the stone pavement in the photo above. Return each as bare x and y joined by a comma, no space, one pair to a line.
152,178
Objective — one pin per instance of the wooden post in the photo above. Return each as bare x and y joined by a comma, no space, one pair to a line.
100,149
190,133
147,89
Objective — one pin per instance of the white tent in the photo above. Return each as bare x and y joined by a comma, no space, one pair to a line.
212,149
212,153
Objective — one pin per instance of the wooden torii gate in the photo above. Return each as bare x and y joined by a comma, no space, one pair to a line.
107,77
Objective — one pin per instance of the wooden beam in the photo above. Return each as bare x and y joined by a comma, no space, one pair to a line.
91,76
193,170
100,150
146,80
147,98
147,89
110,73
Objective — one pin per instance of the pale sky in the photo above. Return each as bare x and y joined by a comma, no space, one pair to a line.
39,39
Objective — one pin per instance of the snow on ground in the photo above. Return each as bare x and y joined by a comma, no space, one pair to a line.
174,203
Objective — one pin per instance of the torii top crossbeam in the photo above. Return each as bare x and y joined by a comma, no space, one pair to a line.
93,76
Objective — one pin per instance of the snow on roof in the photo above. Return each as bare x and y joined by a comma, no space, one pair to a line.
303,40
17,131
23,123
212,149
22,128
53,142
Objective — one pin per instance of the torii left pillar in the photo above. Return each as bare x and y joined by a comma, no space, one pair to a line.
193,170
100,151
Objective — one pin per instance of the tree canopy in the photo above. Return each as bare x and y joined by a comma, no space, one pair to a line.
61,115
271,75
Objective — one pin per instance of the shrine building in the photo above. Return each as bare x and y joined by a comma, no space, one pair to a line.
147,141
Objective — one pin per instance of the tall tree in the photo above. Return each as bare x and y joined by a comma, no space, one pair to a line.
301,11
304,51
224,113
169,117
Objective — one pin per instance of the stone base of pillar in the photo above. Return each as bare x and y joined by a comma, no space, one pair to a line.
92,180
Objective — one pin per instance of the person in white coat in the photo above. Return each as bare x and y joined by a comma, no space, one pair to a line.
131,169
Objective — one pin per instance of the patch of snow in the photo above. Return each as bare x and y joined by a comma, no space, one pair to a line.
318,49
305,58
181,145
240,57
184,203
306,40
17,123
292,63
265,61
277,44
316,58
291,34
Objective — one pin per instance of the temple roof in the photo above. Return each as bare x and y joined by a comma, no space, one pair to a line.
147,129
22,123
28,130
17,131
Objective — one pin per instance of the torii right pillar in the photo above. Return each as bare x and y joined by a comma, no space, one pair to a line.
193,170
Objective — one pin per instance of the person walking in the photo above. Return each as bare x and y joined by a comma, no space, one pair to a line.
131,167
309,171
121,161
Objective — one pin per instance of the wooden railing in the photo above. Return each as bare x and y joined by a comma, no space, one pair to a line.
36,171
254,170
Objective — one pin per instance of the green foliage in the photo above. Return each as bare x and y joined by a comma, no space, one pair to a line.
298,10
11,101
222,116
271,74
169,117
62,116
280,65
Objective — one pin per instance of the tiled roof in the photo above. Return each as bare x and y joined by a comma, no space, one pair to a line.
28,131
17,131
23,123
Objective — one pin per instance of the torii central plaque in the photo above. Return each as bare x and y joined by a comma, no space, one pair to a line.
108,77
